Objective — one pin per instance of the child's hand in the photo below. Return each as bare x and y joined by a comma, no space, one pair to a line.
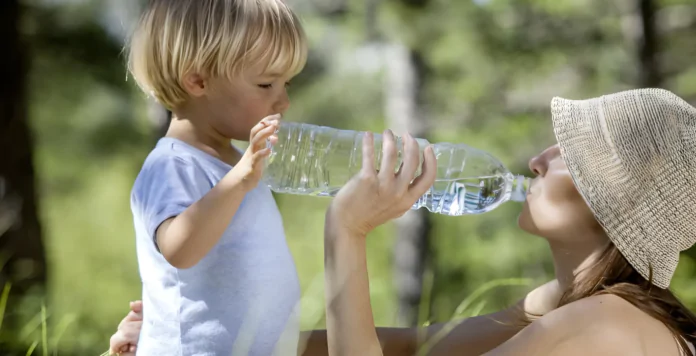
250,168
124,342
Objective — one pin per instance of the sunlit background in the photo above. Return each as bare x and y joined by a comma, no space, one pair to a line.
476,72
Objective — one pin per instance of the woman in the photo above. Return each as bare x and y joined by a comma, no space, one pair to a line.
615,200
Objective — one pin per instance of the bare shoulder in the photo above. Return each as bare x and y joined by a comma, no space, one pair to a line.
598,325
600,308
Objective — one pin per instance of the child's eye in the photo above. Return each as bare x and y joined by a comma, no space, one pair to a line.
288,85
269,86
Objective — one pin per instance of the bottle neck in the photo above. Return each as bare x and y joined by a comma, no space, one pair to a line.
520,188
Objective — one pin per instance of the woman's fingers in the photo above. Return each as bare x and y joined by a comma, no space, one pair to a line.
368,154
137,306
389,154
427,178
411,160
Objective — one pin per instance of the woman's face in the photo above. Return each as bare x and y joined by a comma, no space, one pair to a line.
554,208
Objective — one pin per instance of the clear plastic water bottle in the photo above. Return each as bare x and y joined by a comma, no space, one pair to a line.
318,160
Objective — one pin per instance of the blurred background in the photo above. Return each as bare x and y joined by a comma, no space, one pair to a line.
74,131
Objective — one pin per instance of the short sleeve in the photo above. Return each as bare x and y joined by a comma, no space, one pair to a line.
166,187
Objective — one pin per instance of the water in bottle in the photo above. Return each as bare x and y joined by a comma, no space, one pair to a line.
318,160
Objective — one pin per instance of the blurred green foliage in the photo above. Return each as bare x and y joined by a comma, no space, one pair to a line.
493,67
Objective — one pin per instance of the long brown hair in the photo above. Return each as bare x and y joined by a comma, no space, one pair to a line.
612,274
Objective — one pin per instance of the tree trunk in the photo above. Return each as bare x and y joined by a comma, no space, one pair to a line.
22,254
405,73
371,28
649,71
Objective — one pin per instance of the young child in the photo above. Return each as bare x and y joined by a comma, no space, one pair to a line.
218,277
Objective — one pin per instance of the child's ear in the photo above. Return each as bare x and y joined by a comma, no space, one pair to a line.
195,84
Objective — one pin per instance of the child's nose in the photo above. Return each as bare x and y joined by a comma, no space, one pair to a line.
282,104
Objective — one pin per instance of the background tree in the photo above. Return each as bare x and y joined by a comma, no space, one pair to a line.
479,72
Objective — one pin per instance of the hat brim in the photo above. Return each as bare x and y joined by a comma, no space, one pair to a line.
584,136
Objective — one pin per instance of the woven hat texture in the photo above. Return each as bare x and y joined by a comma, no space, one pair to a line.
632,156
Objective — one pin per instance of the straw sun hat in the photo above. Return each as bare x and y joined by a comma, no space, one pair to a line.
632,156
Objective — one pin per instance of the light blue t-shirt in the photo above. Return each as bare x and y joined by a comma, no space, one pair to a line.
243,297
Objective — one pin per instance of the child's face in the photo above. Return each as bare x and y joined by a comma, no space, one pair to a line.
234,107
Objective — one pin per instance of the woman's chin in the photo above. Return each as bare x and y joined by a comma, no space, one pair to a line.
524,220
524,223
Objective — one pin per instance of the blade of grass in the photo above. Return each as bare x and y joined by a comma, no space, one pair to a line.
30,327
44,330
447,328
32,347
485,288
424,306
3,302
60,330
477,310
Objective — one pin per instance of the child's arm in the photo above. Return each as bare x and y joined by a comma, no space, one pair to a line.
185,239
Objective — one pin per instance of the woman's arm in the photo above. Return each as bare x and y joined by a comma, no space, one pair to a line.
349,311
369,200
477,335
471,336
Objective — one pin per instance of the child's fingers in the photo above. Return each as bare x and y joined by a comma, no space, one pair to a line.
268,121
259,155
258,142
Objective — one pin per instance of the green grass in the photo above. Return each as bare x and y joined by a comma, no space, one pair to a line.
27,332
466,308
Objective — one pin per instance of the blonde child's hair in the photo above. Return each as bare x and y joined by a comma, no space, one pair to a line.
213,38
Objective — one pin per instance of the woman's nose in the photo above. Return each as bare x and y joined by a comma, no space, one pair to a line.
537,166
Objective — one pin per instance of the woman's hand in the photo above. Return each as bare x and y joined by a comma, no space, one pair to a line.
124,342
542,300
372,198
